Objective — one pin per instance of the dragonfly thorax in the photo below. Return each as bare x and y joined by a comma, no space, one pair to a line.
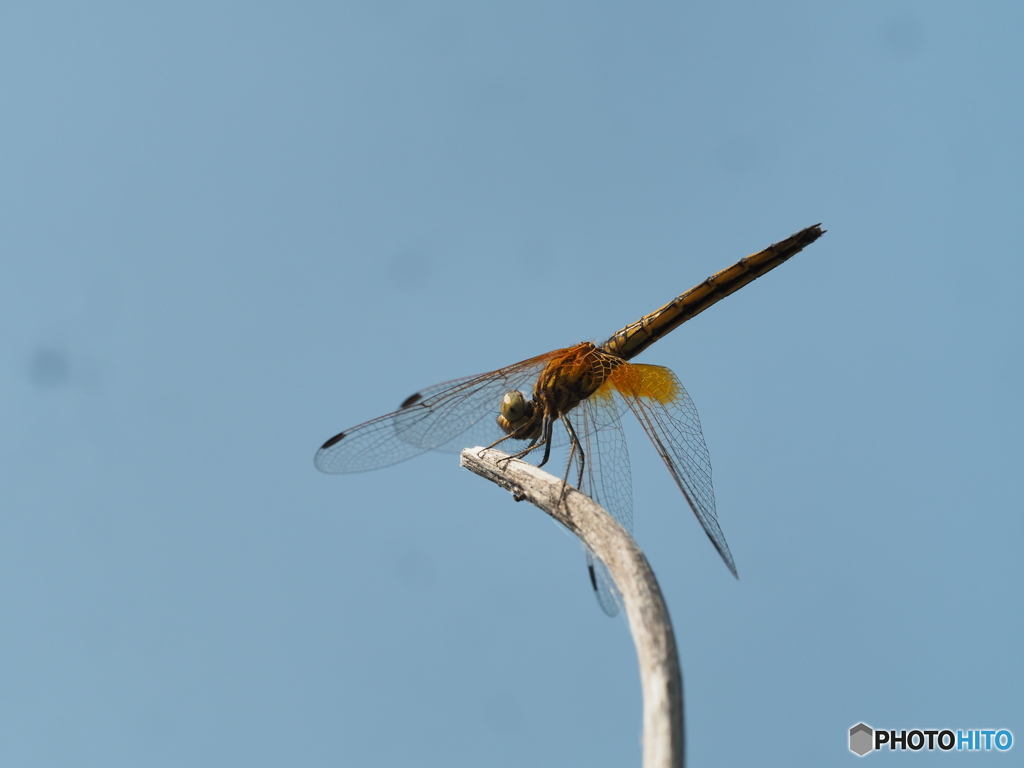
567,380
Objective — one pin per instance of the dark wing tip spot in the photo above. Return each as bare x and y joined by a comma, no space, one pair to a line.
332,441
411,400
593,577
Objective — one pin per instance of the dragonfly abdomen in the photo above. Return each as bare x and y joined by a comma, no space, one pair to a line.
636,337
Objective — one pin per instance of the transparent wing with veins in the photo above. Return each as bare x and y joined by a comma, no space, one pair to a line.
461,413
605,477
449,416
667,414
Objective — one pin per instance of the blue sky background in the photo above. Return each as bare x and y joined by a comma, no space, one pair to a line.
232,230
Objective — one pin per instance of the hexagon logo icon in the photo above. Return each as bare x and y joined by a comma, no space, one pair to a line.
861,739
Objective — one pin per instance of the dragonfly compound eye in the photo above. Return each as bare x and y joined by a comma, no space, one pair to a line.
517,416
513,406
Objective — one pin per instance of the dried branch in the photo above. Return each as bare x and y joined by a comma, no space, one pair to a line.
660,676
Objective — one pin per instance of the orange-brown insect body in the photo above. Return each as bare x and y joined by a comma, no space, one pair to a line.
572,377
566,381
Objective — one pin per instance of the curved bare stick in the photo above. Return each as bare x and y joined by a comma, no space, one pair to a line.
660,676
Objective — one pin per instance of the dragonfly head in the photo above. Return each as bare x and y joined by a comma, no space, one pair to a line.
519,417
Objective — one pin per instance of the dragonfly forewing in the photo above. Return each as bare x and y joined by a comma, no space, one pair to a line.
433,418
453,418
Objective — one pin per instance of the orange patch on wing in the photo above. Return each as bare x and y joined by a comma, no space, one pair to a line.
638,380
603,395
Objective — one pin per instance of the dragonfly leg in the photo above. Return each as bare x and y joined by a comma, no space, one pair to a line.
546,429
535,443
543,438
501,440
573,447
576,445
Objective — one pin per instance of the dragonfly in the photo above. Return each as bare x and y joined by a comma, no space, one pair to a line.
575,398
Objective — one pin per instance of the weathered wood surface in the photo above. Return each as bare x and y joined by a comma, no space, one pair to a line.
660,675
